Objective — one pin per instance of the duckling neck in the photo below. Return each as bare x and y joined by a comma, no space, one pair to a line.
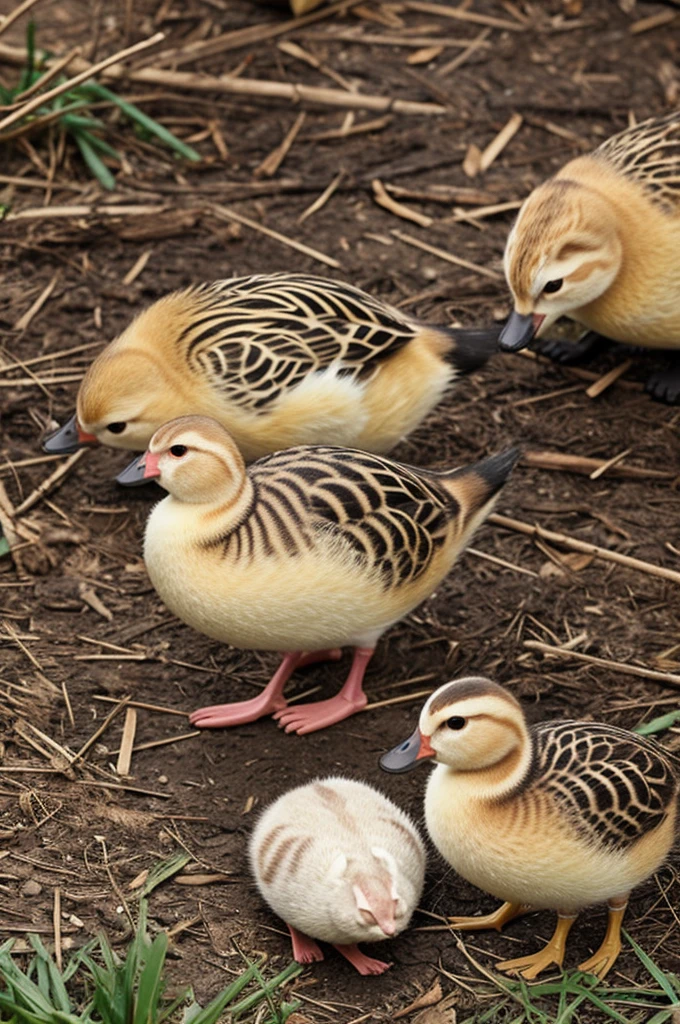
496,782
207,522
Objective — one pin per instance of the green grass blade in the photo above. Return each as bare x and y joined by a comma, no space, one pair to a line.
144,121
99,169
71,121
53,988
655,971
151,982
27,78
268,988
658,724
163,870
662,1016
211,1013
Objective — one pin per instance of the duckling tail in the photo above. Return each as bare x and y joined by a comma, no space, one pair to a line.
471,347
475,487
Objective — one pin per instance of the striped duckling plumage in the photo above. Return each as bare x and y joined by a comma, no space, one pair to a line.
308,550
599,243
339,862
560,815
279,360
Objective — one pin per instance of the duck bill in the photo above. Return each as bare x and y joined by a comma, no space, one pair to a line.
68,439
141,469
407,755
519,330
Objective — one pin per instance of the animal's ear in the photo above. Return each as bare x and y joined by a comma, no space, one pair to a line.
361,899
390,863
338,867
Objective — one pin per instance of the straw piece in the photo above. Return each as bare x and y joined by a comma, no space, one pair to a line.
462,15
653,21
486,211
383,199
293,50
271,163
321,200
137,267
665,678
443,255
24,320
102,728
597,473
497,145
127,742
56,923
608,379
590,549
582,464
417,695
500,561
141,704
461,58
225,213
123,788
9,20
52,480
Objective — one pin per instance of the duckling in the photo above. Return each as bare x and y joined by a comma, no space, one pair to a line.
279,360
559,815
338,861
599,243
308,550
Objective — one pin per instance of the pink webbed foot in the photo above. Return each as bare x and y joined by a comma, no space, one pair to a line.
304,718
364,964
269,701
305,950
218,715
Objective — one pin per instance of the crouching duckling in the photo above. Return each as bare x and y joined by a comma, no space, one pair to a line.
306,551
599,243
339,862
559,816
279,360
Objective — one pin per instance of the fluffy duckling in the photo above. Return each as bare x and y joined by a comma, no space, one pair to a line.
308,550
599,243
279,360
338,861
559,815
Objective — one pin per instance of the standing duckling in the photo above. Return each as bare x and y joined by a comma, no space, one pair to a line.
559,816
308,550
277,359
338,861
599,243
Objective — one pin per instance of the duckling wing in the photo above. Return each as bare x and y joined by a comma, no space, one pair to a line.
258,337
391,517
615,785
649,153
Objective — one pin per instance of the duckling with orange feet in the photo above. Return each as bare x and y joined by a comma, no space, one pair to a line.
559,816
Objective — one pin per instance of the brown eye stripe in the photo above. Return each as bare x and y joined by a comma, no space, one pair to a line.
394,520
616,788
258,336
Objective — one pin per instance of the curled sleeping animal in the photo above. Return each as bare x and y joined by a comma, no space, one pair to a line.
339,862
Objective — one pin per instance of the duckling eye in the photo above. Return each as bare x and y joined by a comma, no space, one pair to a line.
554,286
456,722
178,450
116,428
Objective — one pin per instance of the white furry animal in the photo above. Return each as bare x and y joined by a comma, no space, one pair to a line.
338,861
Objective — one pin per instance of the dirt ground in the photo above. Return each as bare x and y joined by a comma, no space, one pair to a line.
80,618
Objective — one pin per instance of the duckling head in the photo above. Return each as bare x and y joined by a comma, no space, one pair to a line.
195,459
562,254
473,726
363,897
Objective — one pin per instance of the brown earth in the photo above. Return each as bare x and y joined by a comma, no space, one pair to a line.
575,78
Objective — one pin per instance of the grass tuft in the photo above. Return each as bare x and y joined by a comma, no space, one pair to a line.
97,986
70,111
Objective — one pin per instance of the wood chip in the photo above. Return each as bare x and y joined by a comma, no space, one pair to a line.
472,161
127,742
443,255
226,213
24,320
205,879
271,163
653,21
497,145
383,199
425,55
608,379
